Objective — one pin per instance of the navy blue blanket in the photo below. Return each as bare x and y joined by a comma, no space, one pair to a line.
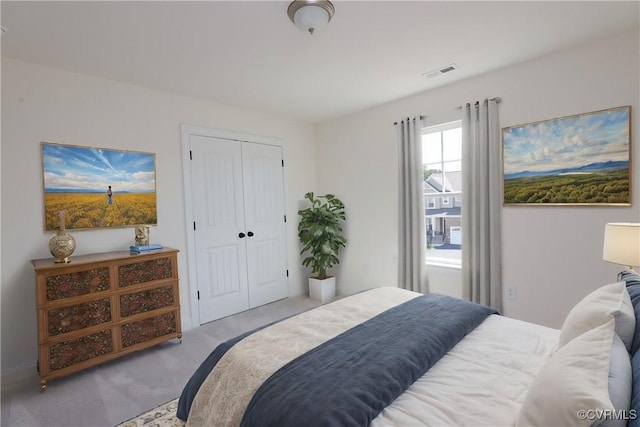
349,379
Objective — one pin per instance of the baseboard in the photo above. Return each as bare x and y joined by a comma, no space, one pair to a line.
19,374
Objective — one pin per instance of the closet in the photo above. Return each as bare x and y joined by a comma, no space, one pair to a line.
237,200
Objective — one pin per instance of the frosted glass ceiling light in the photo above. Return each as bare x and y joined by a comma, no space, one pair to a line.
310,15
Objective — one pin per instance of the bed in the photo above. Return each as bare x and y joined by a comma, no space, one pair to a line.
390,357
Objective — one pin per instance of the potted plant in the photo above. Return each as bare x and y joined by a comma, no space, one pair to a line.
320,233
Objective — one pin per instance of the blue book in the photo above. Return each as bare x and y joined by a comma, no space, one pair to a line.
145,248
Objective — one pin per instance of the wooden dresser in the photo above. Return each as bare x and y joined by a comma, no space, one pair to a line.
102,306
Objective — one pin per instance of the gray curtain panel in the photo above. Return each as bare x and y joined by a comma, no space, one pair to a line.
411,233
481,189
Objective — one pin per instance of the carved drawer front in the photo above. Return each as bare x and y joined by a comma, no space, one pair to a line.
144,330
67,353
69,285
141,302
79,316
142,272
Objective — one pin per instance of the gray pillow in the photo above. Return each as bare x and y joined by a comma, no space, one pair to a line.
619,383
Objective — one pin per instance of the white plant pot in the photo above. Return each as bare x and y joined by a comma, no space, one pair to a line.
322,290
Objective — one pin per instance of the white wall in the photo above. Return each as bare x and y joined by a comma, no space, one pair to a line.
44,104
552,255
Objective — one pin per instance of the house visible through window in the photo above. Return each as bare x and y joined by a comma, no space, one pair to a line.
442,160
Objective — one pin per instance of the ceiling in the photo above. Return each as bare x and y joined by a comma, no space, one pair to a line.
248,54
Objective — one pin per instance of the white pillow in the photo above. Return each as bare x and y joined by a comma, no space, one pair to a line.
572,380
594,310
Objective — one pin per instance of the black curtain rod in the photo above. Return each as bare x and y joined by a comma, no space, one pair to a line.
421,118
497,99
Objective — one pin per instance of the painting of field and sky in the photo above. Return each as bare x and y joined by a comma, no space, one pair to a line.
581,159
98,187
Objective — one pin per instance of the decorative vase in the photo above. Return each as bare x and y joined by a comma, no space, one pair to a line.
62,244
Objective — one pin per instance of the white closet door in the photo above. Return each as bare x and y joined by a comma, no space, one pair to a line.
218,207
265,223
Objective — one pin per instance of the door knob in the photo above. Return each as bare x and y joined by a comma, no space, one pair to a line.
250,234
241,235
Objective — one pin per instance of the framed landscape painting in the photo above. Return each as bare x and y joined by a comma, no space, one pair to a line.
98,187
576,160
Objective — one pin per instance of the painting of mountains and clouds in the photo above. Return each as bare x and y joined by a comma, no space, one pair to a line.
98,187
581,159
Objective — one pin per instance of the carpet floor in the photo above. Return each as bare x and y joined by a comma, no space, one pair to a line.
122,389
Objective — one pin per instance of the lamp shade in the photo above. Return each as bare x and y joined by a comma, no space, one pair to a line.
310,15
622,243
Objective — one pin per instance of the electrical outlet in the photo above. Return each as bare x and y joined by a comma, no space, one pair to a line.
510,293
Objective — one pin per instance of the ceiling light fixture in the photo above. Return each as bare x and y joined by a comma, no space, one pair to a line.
310,15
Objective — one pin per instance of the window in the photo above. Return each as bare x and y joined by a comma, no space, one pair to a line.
442,160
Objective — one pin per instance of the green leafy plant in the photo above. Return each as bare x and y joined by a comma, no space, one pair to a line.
320,233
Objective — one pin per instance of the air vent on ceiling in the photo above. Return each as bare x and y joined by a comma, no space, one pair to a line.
440,71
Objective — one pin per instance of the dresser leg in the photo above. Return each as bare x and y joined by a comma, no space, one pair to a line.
43,386
180,338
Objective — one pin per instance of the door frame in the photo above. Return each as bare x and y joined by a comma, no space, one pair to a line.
186,131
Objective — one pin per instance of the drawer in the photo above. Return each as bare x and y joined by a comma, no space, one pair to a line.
148,300
76,317
73,284
67,353
133,333
145,271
